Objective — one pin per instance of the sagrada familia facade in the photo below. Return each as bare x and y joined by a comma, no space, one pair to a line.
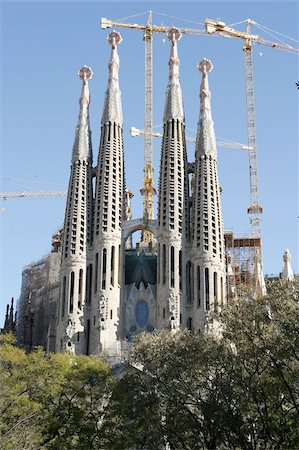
95,290
108,293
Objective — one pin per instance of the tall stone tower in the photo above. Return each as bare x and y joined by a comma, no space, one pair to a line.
76,232
208,271
104,271
173,198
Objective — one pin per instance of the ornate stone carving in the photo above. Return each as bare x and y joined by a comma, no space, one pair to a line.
85,73
205,66
114,38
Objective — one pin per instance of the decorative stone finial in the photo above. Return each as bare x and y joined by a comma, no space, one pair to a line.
287,256
85,73
174,34
114,38
205,66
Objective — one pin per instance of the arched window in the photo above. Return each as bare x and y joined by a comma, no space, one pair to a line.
96,268
141,313
180,269
104,268
215,291
207,289
189,323
88,283
188,282
164,264
172,266
63,297
198,285
80,289
72,292
112,265
87,336
221,287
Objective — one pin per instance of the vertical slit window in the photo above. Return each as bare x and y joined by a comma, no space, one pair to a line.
88,283
188,282
72,292
215,291
87,336
164,264
221,287
104,268
198,286
119,265
180,269
80,289
63,297
207,289
112,265
158,265
172,266
96,273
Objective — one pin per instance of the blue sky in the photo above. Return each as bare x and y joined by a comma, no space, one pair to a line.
43,46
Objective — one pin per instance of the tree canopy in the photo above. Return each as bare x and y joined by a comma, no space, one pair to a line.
240,391
52,401
176,391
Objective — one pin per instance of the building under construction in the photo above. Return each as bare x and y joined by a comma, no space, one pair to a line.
96,290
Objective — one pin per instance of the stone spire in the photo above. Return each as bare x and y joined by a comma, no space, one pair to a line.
287,272
104,268
174,99
112,106
77,231
82,144
206,140
208,258
173,198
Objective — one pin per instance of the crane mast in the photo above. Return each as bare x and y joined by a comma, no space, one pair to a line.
254,210
148,190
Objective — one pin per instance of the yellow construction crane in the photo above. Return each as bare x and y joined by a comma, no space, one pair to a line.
219,27
212,27
7,195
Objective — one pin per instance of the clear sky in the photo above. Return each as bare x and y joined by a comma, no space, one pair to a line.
43,46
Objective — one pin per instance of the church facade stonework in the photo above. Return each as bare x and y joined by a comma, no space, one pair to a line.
110,291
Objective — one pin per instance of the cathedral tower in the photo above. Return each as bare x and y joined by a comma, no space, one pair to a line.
76,231
172,210
104,269
208,258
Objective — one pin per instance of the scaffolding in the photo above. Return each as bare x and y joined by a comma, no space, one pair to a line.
244,264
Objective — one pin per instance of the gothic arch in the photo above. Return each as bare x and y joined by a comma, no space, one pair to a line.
131,226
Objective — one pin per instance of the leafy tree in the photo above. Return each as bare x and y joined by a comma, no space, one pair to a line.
51,401
202,392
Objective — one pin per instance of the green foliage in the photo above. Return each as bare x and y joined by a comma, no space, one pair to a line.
51,401
179,391
202,392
